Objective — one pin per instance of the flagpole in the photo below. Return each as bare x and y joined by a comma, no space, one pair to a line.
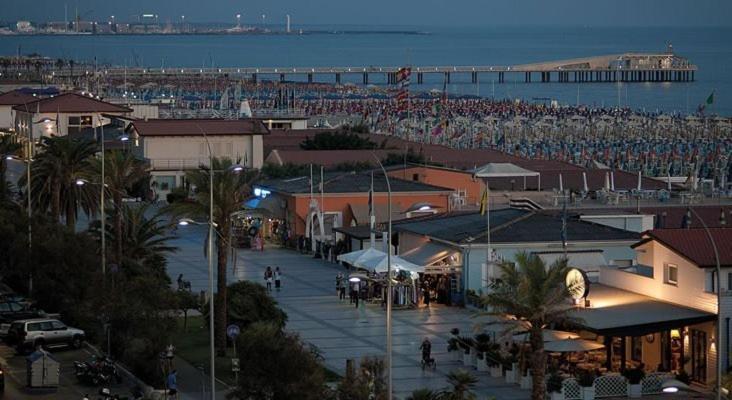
372,217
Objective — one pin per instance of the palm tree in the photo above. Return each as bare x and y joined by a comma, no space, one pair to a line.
537,297
423,394
59,163
144,235
230,189
122,171
462,382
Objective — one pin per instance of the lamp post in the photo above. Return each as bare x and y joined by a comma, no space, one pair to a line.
717,287
389,386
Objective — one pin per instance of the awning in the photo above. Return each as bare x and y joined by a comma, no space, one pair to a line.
427,254
581,259
268,207
572,345
356,256
361,213
617,312
379,264
502,170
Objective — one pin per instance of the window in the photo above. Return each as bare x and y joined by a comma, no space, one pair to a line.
57,325
46,326
671,274
35,326
79,123
415,177
729,281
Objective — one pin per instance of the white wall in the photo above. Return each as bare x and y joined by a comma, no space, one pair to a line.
187,152
26,121
7,117
633,223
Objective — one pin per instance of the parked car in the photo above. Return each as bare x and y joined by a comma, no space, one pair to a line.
27,335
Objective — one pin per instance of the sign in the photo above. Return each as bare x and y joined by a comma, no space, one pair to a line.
232,331
577,283
234,365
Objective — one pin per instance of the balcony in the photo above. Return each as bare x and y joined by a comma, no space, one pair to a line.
177,164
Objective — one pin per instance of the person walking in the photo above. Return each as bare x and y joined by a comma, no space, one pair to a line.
341,288
339,285
268,275
356,292
277,278
172,383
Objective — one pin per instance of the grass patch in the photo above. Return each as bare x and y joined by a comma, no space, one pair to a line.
193,345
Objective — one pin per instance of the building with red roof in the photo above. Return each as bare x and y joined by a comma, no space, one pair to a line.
7,101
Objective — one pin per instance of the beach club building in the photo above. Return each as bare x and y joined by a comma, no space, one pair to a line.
343,201
8,100
173,146
65,114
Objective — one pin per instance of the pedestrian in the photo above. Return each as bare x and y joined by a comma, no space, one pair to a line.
172,383
339,283
277,278
341,288
356,292
268,278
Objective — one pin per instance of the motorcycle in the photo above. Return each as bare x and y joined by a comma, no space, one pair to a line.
97,372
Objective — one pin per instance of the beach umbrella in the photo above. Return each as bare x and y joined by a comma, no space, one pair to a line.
640,178
571,346
612,181
549,335
561,184
607,181
584,182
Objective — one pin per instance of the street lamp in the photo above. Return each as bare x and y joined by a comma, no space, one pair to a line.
389,387
718,287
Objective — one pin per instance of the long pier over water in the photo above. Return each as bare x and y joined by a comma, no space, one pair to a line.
627,67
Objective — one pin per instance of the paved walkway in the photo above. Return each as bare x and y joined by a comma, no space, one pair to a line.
337,328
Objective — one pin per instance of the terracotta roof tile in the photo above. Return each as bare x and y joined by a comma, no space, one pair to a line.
71,103
694,244
15,97
193,127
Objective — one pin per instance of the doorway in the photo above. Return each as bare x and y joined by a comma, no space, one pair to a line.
698,356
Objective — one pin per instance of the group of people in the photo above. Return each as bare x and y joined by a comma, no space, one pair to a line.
275,276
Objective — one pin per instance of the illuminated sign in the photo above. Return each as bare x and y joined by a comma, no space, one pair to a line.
259,192
578,285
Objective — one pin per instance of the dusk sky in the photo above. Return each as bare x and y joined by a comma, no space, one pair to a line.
390,12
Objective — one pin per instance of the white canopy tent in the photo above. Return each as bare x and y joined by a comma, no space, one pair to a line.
357,256
506,170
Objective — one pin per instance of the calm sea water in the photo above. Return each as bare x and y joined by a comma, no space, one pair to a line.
709,48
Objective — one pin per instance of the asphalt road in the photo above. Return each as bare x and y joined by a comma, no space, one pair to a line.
69,388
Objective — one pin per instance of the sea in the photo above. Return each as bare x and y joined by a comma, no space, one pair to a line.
350,46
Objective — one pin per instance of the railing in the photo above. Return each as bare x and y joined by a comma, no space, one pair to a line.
178,164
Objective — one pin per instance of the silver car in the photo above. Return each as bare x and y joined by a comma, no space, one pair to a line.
29,334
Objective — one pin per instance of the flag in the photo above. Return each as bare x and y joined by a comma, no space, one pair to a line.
402,97
371,197
710,99
484,202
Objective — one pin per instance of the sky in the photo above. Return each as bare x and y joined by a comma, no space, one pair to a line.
392,12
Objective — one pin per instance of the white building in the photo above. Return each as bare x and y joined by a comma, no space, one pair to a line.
9,100
174,146
65,114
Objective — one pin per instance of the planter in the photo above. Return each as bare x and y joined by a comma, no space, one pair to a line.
556,396
512,376
634,391
457,355
467,360
526,382
588,393
473,357
496,372
481,365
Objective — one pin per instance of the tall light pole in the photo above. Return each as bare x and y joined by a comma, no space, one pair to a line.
718,287
389,386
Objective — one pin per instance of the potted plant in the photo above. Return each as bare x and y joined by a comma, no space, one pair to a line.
526,380
466,344
482,345
586,380
634,377
554,386
510,366
454,349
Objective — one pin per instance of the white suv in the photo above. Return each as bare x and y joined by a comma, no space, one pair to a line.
29,334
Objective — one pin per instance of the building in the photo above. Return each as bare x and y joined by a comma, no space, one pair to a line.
457,243
344,201
9,100
62,115
663,310
174,146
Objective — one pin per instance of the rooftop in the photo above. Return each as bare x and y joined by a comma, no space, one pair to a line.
195,127
512,226
70,103
15,97
694,244
346,182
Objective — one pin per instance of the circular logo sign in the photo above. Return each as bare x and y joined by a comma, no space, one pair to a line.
232,331
577,284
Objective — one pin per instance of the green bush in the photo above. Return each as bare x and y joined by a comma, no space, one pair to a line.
586,378
634,375
176,195
554,383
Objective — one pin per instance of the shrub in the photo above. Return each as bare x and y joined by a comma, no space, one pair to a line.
554,383
176,195
452,344
586,378
634,375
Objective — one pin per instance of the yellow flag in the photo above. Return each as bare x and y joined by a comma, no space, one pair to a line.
484,202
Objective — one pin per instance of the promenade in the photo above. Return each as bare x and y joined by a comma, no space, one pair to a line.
337,328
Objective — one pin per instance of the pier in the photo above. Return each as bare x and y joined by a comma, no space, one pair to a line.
627,67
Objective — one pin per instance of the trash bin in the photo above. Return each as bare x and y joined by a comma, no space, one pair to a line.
43,370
